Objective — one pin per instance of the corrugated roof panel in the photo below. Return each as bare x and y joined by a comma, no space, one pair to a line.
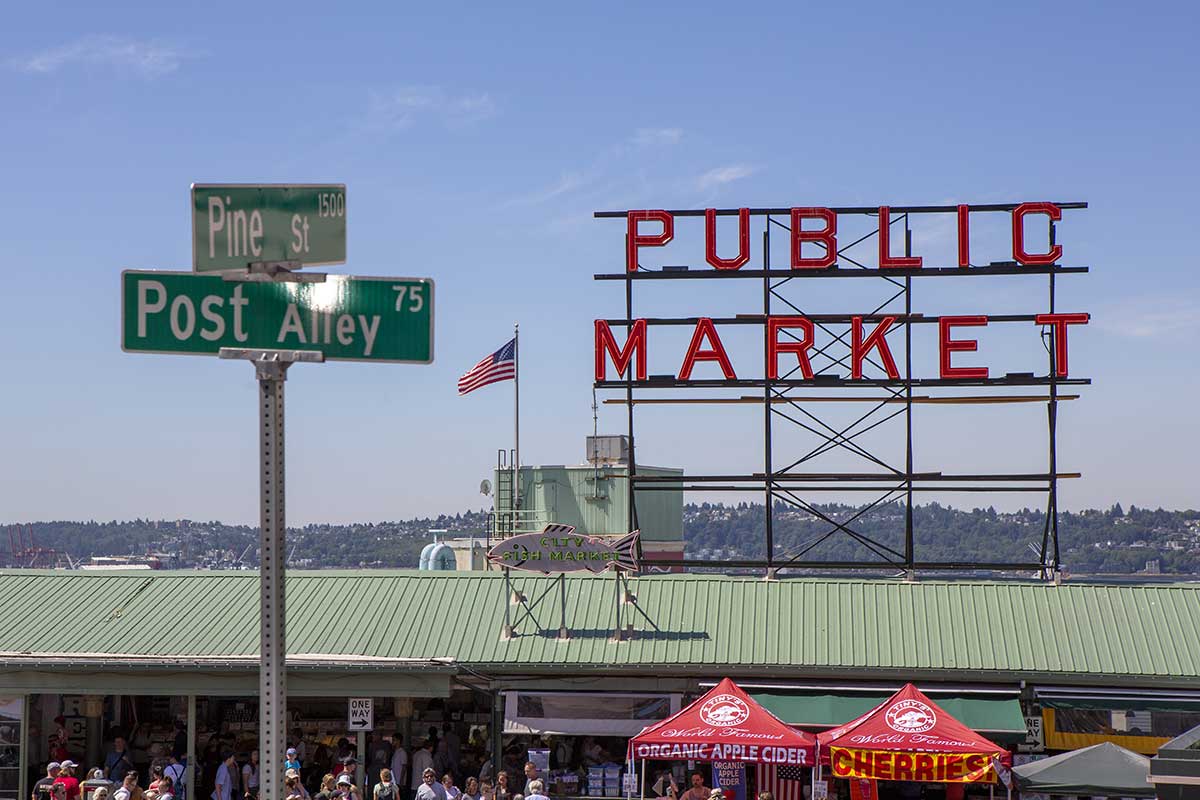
706,623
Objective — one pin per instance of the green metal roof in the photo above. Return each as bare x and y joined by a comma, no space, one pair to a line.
684,625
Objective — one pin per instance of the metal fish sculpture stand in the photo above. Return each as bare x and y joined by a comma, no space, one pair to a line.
559,549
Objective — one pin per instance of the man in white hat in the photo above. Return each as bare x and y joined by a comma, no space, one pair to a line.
346,788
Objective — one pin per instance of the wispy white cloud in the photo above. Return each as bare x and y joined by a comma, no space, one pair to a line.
719,176
646,137
1145,318
403,107
150,58
566,183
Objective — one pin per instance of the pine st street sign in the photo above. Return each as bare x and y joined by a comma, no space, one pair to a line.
234,225
345,318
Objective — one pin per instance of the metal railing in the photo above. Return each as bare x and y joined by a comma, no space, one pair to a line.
505,523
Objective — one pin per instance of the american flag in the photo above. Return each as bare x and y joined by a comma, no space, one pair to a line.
782,781
499,366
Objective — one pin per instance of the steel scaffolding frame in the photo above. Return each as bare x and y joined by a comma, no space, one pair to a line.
787,399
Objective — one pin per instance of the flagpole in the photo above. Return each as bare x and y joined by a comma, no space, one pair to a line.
516,502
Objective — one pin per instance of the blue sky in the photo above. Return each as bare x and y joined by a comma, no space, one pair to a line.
476,141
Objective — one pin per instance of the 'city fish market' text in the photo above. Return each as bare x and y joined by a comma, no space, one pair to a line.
517,556
765,754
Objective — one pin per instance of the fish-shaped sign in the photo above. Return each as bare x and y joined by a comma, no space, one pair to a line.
558,548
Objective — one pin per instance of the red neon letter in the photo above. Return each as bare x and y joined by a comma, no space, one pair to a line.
800,348
634,240
946,346
827,236
886,259
1060,323
710,240
859,347
607,345
1018,220
705,330
964,237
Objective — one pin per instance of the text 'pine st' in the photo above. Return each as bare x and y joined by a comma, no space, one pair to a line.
345,318
234,225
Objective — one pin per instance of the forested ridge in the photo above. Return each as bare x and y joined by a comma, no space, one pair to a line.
1114,541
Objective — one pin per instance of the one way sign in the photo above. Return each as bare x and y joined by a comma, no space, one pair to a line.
362,714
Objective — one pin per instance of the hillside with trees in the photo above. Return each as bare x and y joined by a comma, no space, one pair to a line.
1113,541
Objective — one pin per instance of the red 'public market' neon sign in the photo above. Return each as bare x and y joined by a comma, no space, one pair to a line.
790,338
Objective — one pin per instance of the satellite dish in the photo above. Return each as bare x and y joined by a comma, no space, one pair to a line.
485,487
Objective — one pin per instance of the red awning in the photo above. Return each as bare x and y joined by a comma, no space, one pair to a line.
909,738
726,724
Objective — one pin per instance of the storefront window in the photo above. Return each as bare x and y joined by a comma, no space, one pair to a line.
11,711
1160,724
1083,720
1172,723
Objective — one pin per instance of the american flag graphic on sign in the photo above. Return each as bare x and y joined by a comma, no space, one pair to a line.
499,366
782,781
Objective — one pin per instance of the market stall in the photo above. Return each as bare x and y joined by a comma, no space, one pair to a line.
724,725
910,738
1102,769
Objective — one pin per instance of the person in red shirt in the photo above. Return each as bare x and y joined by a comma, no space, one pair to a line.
58,748
66,777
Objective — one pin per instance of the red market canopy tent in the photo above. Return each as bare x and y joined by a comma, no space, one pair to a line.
726,724
909,738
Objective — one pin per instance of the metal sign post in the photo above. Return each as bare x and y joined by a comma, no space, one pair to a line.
270,367
251,238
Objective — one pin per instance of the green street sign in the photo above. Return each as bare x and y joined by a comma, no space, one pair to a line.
345,318
238,224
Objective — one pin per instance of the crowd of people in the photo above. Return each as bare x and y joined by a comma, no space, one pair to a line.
61,783
394,774
438,768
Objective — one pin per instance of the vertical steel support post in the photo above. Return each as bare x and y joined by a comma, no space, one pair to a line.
909,549
1052,410
631,511
562,618
190,772
23,750
360,772
272,689
516,470
768,469
507,633
497,732
1050,531
617,632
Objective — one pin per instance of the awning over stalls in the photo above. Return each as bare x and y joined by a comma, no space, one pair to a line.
999,715
1102,769
231,676
725,724
911,738
583,713
1140,699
